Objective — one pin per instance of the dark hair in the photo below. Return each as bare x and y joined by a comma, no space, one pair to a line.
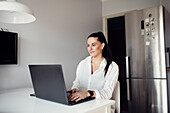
106,52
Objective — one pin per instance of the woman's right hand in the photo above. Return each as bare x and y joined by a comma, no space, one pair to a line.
73,91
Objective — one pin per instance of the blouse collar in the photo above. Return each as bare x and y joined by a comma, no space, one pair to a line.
103,63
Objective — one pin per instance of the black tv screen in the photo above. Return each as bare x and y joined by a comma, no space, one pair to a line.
8,47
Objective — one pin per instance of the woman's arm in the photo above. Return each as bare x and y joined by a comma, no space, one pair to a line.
111,80
76,82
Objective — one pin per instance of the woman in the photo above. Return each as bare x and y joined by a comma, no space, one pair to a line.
97,74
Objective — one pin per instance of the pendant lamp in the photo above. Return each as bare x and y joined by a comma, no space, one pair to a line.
14,12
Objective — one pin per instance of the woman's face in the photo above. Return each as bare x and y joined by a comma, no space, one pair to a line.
94,46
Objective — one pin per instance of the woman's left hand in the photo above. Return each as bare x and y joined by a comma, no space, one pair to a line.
78,96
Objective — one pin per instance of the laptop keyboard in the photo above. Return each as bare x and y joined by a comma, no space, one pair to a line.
81,101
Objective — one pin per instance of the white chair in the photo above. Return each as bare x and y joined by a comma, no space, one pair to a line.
116,97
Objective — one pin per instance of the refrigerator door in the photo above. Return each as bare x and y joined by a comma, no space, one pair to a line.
154,43
145,43
148,96
135,47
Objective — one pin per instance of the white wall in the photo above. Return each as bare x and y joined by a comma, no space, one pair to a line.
57,36
117,6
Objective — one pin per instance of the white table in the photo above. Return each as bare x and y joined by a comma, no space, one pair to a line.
20,101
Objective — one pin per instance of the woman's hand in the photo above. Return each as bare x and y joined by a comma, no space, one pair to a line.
72,90
78,96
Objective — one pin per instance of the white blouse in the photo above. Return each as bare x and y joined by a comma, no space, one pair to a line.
103,86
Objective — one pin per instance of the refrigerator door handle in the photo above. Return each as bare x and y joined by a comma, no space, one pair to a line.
127,66
127,58
128,89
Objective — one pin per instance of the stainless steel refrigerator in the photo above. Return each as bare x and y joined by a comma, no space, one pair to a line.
146,76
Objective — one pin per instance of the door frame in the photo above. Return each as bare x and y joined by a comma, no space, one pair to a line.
105,18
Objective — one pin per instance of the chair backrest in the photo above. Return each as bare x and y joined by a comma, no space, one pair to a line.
116,97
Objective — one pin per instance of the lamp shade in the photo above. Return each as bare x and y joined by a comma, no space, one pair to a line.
15,12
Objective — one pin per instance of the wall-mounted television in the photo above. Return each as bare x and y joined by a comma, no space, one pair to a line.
8,48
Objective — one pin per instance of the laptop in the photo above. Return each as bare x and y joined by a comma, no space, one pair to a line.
48,83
